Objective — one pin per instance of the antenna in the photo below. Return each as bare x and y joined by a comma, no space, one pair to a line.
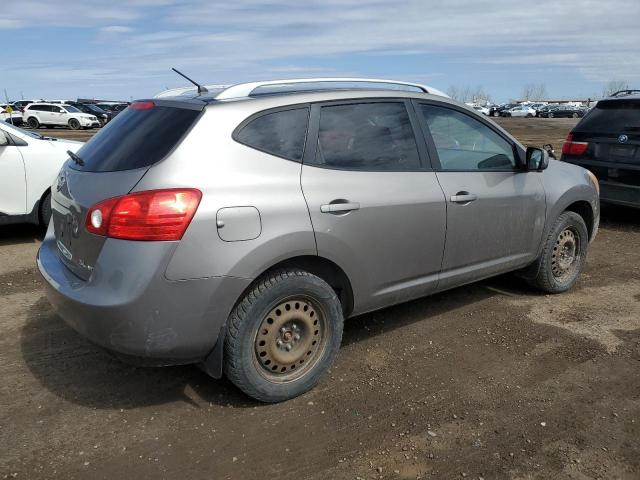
201,89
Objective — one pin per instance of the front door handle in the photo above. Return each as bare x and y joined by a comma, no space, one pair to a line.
463,197
339,207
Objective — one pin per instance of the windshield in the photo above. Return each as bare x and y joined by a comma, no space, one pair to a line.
21,131
71,109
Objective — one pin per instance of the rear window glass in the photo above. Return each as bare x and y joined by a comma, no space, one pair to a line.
279,133
136,139
612,116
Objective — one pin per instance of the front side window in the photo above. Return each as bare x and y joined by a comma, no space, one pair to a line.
464,143
279,133
367,136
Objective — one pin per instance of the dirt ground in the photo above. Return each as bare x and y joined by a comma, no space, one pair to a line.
488,381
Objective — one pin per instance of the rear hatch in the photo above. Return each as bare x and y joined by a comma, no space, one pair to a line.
612,131
109,165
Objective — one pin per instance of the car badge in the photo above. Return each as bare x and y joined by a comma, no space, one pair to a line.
623,138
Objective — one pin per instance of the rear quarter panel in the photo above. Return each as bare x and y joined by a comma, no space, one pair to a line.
230,174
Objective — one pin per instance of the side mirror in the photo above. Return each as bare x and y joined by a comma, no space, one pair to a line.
537,159
4,140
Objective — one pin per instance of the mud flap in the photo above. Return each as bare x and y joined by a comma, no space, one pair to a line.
213,363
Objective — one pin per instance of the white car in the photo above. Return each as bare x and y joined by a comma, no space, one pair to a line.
29,164
49,114
521,111
481,109
14,116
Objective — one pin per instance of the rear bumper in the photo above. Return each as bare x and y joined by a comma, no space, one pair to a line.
131,309
620,194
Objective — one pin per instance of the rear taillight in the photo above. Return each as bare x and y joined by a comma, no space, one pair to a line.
574,148
150,215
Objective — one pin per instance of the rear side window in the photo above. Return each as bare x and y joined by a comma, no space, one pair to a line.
367,136
279,133
612,116
136,138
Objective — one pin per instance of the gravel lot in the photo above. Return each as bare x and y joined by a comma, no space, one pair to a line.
490,380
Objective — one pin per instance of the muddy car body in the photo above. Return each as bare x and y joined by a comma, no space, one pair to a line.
237,229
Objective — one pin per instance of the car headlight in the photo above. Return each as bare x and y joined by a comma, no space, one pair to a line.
594,180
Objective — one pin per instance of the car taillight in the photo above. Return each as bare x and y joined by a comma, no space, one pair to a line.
573,148
151,215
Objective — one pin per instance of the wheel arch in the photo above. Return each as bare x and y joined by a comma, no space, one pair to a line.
584,209
324,268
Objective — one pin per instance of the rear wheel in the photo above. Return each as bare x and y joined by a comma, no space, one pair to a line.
550,115
74,124
33,123
45,210
563,254
283,336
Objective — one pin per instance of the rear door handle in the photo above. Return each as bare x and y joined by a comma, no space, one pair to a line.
339,207
463,197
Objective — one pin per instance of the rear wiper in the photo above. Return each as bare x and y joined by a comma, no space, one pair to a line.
76,158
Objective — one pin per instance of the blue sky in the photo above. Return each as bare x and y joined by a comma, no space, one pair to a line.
125,49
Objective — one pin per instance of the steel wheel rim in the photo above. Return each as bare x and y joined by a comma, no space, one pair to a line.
290,339
566,255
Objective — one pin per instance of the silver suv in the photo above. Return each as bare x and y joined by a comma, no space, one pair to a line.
238,228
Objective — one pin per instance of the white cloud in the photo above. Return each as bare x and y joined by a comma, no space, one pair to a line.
116,29
247,39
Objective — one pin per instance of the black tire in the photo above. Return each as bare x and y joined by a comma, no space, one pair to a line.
74,124
44,215
554,273
575,115
287,296
33,123
550,115
529,115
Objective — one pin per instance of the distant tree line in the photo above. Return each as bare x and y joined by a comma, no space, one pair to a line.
531,92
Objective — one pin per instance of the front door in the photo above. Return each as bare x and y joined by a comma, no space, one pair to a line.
376,207
495,209
13,188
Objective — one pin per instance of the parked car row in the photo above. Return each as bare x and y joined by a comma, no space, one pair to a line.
537,110
55,113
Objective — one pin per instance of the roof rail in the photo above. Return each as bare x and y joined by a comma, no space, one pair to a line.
241,90
246,89
622,93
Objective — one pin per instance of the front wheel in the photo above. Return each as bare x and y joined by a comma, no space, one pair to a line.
283,336
563,254
575,115
74,124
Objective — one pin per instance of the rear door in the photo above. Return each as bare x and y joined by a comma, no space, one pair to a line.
114,161
495,210
375,204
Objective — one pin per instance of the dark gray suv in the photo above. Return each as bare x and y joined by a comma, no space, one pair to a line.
237,228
